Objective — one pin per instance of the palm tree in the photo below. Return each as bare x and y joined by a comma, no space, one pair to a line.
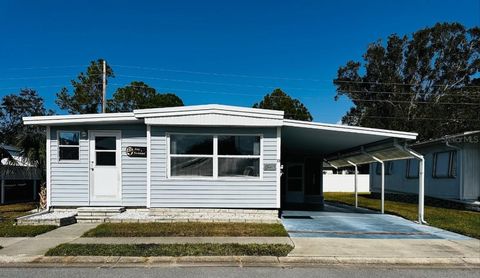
31,143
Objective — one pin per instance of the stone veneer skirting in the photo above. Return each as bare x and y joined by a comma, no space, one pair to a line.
216,215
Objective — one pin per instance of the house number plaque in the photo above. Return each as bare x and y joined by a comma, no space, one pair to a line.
133,151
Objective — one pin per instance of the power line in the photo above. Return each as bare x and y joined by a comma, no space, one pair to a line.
214,83
48,67
253,95
43,77
414,119
219,74
281,78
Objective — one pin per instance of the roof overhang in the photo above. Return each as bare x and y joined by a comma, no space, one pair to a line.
106,118
196,115
328,139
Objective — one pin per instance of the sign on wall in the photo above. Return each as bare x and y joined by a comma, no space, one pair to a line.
134,151
269,167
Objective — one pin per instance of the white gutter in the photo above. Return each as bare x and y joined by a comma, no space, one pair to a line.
460,158
421,182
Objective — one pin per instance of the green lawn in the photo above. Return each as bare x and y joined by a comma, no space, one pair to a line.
176,250
186,229
459,221
8,213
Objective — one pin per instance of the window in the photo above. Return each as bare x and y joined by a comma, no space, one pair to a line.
68,145
214,156
105,150
238,156
388,168
412,169
191,155
445,164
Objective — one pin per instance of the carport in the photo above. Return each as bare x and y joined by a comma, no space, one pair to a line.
307,145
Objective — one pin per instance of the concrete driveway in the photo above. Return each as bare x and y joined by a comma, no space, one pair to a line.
345,231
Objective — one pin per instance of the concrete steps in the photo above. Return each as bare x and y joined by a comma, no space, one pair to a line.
97,214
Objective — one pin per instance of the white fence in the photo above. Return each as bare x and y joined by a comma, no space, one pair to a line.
345,183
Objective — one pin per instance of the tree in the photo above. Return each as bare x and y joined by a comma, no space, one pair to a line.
29,139
427,83
139,95
13,108
278,100
87,90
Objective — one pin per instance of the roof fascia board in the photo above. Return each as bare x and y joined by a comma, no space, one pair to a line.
80,119
351,129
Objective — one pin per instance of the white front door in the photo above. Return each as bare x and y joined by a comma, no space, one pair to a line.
295,183
105,159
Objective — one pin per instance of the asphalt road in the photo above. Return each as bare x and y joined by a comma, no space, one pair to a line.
225,272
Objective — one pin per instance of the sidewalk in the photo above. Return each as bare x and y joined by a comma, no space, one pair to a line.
35,246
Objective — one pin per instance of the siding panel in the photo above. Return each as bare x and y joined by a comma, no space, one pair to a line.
211,193
70,180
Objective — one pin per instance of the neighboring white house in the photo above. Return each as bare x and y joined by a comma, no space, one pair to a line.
452,169
202,157
19,181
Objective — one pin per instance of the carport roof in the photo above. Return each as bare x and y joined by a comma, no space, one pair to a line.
339,141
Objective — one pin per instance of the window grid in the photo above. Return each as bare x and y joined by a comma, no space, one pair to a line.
60,146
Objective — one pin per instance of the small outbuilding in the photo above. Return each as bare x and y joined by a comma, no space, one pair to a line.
199,158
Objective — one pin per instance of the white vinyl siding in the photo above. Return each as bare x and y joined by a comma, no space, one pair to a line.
212,193
70,181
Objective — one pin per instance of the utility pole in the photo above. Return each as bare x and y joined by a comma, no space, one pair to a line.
104,87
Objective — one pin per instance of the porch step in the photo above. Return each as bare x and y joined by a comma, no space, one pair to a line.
97,214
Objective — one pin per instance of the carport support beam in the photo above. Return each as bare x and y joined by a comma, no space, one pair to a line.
383,181
355,182
421,183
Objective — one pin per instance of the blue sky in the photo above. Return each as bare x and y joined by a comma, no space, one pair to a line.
227,52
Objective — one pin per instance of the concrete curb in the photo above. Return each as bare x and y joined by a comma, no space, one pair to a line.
116,261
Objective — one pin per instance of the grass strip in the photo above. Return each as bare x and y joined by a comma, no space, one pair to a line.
9,212
186,229
458,221
175,250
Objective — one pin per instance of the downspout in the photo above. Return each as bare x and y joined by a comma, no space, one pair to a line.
460,158
421,181
355,182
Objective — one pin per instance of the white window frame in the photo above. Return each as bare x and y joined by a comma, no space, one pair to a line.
215,156
68,146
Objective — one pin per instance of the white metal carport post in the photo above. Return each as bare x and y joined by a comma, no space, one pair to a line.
383,179
355,182
421,182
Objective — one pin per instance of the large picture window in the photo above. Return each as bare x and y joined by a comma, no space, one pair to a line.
214,156
69,145
445,164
